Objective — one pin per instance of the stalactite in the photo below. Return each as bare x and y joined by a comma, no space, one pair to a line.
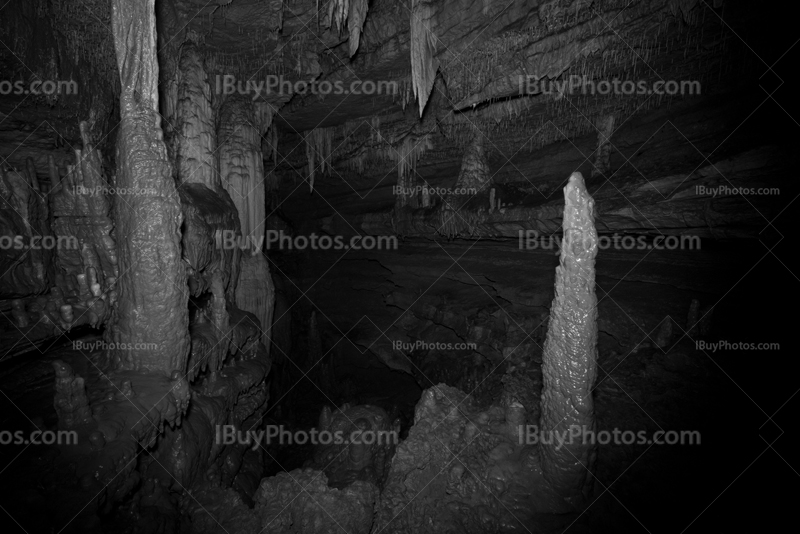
406,156
319,148
423,50
241,165
353,13
355,23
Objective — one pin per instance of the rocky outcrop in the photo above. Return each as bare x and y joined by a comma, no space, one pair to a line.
81,210
69,245
465,469
192,455
297,502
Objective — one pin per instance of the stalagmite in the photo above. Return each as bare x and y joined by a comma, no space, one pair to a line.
474,174
602,161
664,333
569,360
152,309
473,178
693,318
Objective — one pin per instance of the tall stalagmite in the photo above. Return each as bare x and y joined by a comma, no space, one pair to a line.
151,319
569,361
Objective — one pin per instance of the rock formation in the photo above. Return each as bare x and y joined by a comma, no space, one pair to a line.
569,357
152,310
422,166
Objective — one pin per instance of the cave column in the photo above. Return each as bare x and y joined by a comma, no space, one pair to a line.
193,142
150,321
241,168
569,360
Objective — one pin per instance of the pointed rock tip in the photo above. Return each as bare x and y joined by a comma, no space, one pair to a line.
576,180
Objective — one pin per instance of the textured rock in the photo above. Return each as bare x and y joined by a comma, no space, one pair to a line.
211,268
74,256
463,469
347,462
152,310
301,502
242,173
207,214
221,511
23,217
569,358
194,137
191,454
86,275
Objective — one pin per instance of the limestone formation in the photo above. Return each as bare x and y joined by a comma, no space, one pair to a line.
569,359
430,156
152,310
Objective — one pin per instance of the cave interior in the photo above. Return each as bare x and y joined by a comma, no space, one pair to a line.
365,266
